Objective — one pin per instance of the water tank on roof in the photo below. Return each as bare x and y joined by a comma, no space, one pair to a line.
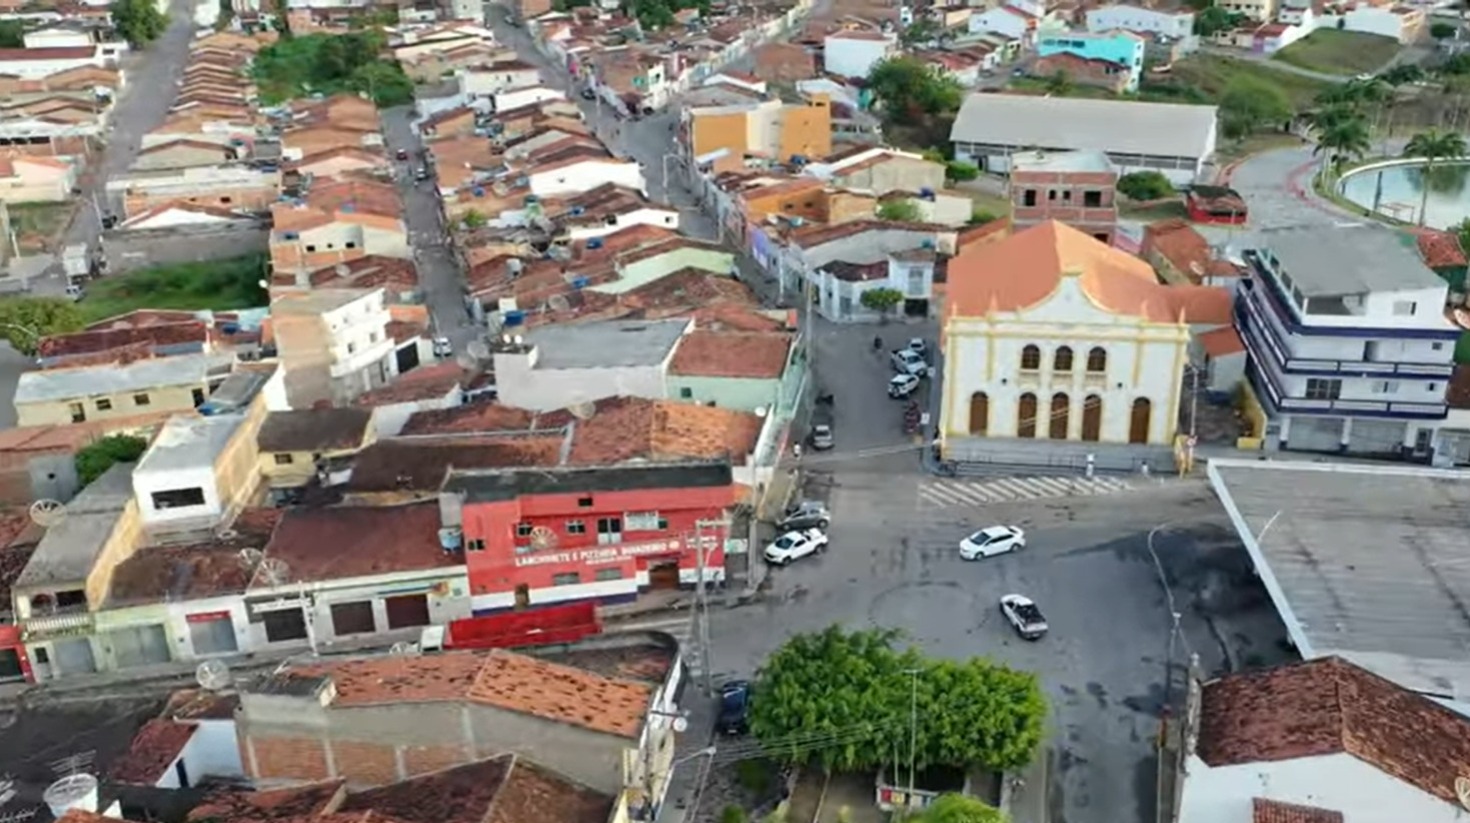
594,243
450,539
926,244
478,191
577,211
289,235
515,318
926,193
75,791
230,328
579,282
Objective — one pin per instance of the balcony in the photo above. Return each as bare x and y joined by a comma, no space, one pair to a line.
1270,392
1261,338
346,363
1274,299
58,625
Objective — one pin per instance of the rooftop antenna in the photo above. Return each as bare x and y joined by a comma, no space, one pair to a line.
250,558
74,764
7,789
47,513
583,411
213,675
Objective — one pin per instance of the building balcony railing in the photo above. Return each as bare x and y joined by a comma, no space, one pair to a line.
1276,301
1262,338
1266,387
58,625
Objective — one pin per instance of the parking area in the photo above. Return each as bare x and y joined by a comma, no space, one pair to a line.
893,562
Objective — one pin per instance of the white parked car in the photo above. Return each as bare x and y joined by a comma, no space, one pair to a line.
442,347
795,545
902,385
919,347
992,541
1024,616
908,361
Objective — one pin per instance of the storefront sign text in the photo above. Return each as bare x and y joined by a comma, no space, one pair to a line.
600,554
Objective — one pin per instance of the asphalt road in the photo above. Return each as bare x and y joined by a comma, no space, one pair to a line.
893,563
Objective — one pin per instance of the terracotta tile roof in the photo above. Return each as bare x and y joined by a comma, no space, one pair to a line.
1200,305
80,816
155,335
982,231
536,794
421,463
49,53
1273,811
1024,269
547,690
385,680
313,430
1440,249
462,794
235,806
13,560
631,428
154,748
1329,706
1222,342
472,417
384,540
201,704
368,272
1177,241
731,354
196,570
422,383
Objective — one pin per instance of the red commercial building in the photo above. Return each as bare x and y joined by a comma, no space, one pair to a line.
532,537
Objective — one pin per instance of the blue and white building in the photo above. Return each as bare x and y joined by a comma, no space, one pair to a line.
1348,347
1119,46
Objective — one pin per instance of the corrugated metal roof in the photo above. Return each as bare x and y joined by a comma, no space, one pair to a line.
1118,126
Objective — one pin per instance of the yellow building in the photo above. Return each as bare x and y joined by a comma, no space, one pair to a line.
296,446
110,391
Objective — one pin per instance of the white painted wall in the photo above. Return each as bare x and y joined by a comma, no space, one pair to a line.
584,176
1136,18
543,389
201,477
851,57
213,751
1339,782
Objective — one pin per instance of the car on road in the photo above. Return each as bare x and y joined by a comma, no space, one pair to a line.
442,347
795,545
808,514
734,708
589,94
992,541
422,174
919,347
907,361
1024,616
902,385
821,438
401,154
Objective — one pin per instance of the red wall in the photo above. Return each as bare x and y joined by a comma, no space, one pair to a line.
10,639
499,568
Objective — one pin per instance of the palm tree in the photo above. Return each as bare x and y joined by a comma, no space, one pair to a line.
1433,146
1343,140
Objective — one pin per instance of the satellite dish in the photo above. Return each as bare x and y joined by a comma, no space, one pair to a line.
681,724
274,571
478,349
264,284
47,513
761,412
520,340
583,411
403,649
558,302
1462,791
226,534
213,675
542,537
342,270
250,558
466,361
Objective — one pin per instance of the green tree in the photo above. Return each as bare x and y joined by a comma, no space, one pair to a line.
923,30
862,698
12,34
881,300
138,21
473,219
1059,84
1401,74
1249,104
1441,31
1433,146
908,88
1342,140
1213,19
980,217
899,211
961,172
384,82
960,808
100,455
1145,185
25,320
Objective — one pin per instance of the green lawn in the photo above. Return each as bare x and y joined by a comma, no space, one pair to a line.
218,284
328,64
1039,85
1340,52
1203,78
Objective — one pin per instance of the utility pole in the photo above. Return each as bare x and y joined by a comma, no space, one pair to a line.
913,729
702,604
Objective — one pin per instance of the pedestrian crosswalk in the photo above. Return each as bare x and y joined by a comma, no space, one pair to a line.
679,625
945,494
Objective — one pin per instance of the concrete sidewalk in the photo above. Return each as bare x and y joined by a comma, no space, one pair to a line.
1023,793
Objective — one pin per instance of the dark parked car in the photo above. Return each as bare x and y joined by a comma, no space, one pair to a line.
402,154
808,514
734,707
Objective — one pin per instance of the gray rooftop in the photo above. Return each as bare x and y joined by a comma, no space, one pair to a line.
1324,261
67,551
609,344
1367,562
54,385
317,301
189,443
1117,126
1082,160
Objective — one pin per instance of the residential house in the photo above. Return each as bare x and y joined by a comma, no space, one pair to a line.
487,79
1405,24
332,343
1180,254
1322,740
1051,334
112,390
183,152
337,221
1118,47
557,366
306,445
783,62
1262,11
454,122
25,179
164,334
854,53
1349,348
29,63
1075,187
1173,139
228,188
725,136
840,285
630,79
606,209
1012,21
438,59
578,169
879,171
1178,25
